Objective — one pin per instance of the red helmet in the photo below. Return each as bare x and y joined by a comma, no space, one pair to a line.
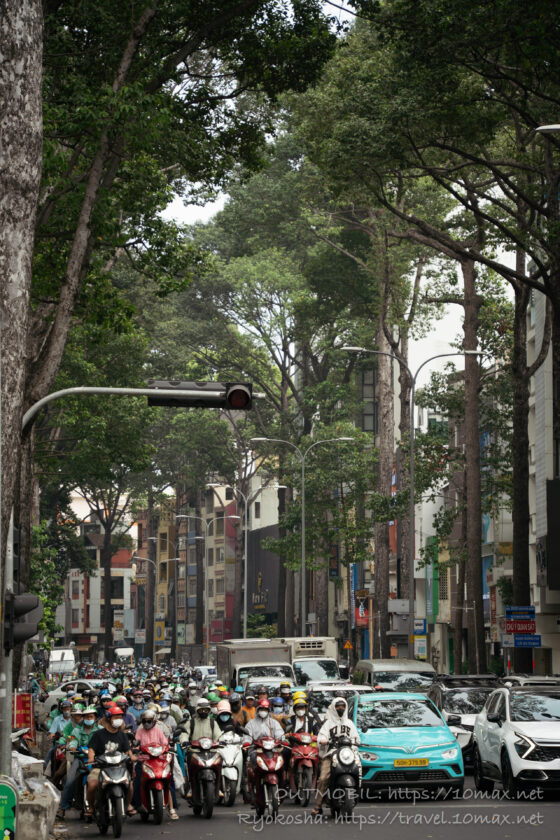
114,711
263,704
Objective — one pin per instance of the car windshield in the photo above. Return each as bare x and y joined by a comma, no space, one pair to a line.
265,671
387,714
403,680
315,669
534,707
321,700
466,701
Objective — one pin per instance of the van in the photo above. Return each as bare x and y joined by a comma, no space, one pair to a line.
124,656
62,663
395,674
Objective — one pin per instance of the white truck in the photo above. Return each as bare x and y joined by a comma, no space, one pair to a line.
62,663
237,659
314,658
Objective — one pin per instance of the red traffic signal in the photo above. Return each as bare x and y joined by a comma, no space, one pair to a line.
232,396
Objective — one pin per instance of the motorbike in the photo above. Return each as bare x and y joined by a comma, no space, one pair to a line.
21,740
231,752
157,772
204,772
346,775
263,776
303,764
80,783
112,791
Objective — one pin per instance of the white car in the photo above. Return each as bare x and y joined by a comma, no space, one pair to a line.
42,708
517,740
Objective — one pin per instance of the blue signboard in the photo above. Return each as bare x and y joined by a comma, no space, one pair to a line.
526,640
520,613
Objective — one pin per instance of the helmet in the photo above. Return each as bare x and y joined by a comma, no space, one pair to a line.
300,695
263,704
121,701
90,710
286,684
223,706
202,703
113,711
213,698
234,697
285,690
300,702
262,689
77,709
148,715
277,701
65,704
165,695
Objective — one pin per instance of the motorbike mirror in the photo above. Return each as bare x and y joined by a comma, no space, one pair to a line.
364,729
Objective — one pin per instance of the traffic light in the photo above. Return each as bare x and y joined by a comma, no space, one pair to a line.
22,614
233,396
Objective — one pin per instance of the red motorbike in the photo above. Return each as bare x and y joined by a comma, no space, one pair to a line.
205,773
264,767
303,763
157,772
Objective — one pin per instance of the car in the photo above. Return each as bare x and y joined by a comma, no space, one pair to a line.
530,679
271,683
320,696
460,698
517,740
406,743
395,674
42,708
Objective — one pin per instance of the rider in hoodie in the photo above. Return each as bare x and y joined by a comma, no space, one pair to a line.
336,723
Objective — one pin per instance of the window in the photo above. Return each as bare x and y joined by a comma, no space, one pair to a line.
162,572
192,556
180,600
219,554
443,584
102,615
182,543
75,617
220,586
220,523
192,585
219,614
210,501
210,556
132,600
75,589
163,542
161,603
140,534
210,588
257,513
191,615
370,407
117,587
181,571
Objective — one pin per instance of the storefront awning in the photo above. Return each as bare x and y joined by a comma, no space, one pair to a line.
163,651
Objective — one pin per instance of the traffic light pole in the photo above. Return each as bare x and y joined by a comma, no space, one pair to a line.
6,681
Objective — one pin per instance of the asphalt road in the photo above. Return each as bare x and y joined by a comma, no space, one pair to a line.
460,819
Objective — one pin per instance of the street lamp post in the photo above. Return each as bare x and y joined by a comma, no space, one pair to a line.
302,456
207,524
155,566
412,508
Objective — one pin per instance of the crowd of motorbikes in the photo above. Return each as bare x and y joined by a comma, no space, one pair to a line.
207,769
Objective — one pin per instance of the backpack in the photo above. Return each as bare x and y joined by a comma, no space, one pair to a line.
192,722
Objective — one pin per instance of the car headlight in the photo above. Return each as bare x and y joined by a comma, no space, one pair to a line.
369,756
450,754
523,745
346,756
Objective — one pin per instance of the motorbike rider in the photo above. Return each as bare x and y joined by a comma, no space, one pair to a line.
148,734
278,711
240,714
138,704
286,695
261,726
302,720
213,699
55,729
201,725
105,701
336,723
79,737
192,696
128,719
225,719
166,719
111,732
249,706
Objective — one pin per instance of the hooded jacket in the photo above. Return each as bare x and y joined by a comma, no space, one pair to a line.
335,726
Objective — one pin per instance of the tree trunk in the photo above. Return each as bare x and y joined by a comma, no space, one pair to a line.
150,580
240,561
520,452
282,571
406,567
106,556
472,302
460,592
322,599
21,127
201,571
385,467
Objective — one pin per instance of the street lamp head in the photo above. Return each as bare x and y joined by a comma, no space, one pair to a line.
152,539
345,438
181,515
351,349
257,440
548,129
213,484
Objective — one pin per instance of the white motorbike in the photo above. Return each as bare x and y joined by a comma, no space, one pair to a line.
230,749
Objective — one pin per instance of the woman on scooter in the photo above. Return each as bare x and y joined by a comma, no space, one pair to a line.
148,734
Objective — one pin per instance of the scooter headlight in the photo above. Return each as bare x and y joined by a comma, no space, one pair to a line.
346,756
205,743
148,771
268,744
155,751
261,763
306,739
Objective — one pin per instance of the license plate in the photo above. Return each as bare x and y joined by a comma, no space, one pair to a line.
411,762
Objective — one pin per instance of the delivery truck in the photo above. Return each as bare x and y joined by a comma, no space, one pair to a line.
238,659
314,658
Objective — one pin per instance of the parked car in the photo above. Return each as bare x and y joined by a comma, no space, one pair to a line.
462,697
406,743
395,674
517,740
42,708
530,680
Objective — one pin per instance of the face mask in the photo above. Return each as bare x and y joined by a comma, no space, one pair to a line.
147,724
300,712
263,713
192,691
224,718
204,714
66,713
117,722
340,712
138,702
89,721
